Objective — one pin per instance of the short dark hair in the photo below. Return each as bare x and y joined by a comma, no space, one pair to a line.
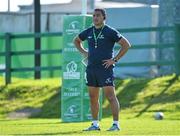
103,12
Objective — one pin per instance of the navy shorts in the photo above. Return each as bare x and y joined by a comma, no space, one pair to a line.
99,77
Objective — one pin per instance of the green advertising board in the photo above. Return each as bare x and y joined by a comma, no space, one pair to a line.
75,102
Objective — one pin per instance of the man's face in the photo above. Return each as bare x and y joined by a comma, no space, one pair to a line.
98,18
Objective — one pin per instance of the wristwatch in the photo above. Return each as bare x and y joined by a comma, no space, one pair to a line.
115,60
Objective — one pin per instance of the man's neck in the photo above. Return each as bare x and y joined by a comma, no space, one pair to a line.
99,26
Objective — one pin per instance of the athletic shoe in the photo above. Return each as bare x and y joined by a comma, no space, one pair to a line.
114,127
92,128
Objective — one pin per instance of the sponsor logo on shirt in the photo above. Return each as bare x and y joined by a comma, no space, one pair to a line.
89,37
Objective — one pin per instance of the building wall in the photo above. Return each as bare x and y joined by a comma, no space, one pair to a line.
24,22
136,18
169,14
152,2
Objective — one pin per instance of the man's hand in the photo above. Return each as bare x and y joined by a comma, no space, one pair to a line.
78,44
107,63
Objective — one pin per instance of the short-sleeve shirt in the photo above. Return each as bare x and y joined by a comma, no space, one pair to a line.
105,43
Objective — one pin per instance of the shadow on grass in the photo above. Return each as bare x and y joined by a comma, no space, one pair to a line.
2,87
156,99
127,94
57,133
51,108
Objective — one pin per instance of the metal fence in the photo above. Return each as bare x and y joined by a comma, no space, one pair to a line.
9,53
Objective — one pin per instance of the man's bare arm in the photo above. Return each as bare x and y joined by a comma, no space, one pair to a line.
125,45
78,43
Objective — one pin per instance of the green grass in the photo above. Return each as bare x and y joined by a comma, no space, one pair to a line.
34,94
141,126
139,98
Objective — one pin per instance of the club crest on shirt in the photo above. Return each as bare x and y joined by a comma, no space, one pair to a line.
101,36
108,80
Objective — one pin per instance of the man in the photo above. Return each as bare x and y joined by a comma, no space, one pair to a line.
101,39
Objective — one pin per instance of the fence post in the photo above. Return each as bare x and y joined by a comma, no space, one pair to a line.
8,58
177,48
37,29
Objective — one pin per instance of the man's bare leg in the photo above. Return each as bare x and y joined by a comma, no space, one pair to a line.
114,104
94,100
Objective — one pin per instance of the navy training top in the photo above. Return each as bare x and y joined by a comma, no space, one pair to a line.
105,44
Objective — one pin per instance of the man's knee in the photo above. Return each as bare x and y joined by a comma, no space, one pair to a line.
94,97
111,98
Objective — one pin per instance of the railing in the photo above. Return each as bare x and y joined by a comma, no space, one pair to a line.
149,46
9,53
